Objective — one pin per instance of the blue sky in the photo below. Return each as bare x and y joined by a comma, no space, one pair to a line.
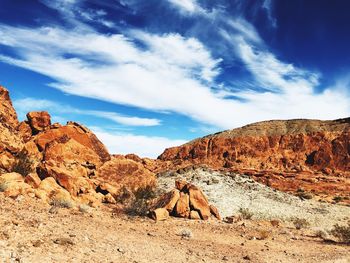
146,75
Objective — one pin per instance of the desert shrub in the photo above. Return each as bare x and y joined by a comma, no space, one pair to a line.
186,233
342,232
3,186
23,164
303,195
300,223
337,199
245,213
62,203
139,205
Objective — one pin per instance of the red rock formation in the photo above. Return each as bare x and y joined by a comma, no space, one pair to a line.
309,154
7,112
39,120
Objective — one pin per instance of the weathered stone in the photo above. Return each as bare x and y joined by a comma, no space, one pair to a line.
182,208
39,120
49,190
24,131
266,149
8,114
108,198
160,214
75,131
121,172
13,185
168,200
180,184
215,212
199,202
195,215
33,180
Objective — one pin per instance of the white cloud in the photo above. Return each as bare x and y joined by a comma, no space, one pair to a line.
31,104
144,146
173,73
189,6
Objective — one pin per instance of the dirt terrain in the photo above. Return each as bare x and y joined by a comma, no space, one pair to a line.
35,232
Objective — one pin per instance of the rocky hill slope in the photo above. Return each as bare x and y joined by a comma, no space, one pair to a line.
61,163
292,155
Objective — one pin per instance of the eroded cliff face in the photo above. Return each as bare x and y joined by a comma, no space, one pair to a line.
289,155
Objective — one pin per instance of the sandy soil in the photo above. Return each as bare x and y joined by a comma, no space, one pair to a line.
35,232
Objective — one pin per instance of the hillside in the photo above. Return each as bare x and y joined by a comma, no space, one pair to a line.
291,155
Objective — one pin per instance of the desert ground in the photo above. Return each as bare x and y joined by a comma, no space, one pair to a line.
33,231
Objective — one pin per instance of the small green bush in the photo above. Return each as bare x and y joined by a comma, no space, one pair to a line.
245,213
139,205
342,232
23,164
300,223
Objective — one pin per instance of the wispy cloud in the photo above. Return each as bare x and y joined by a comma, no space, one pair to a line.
124,143
175,73
188,6
31,104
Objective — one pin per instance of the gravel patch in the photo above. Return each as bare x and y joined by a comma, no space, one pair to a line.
230,192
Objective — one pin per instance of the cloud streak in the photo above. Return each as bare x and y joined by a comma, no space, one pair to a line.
22,106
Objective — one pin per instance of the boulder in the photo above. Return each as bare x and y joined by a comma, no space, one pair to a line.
160,214
199,202
120,172
39,120
71,164
75,131
168,200
195,215
33,180
8,114
25,131
182,208
180,184
49,190
13,185
215,212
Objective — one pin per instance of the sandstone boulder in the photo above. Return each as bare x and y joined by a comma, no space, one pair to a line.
199,202
13,185
75,131
160,214
25,131
195,215
8,114
49,190
33,180
39,120
182,208
120,172
190,202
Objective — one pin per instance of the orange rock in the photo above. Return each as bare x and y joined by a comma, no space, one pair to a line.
39,120
121,172
160,214
8,114
77,132
33,180
215,212
275,147
180,184
195,215
199,202
168,200
25,131
182,208
13,185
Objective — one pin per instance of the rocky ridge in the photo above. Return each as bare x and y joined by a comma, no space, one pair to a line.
292,155
62,164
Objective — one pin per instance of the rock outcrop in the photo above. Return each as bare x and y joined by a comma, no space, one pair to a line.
289,155
186,201
62,164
